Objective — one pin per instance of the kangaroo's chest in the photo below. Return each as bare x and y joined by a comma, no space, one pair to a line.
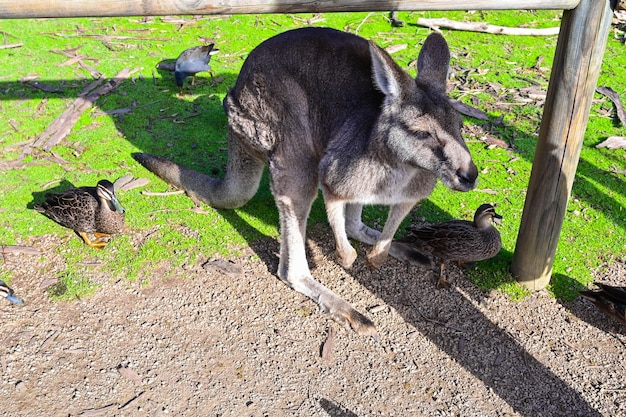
370,183
398,186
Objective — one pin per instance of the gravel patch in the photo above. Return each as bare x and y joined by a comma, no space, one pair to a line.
211,341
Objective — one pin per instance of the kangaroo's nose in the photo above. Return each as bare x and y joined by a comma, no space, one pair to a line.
468,177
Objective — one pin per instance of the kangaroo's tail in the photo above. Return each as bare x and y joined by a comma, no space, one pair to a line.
238,186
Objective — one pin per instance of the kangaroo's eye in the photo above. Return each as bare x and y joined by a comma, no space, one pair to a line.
420,133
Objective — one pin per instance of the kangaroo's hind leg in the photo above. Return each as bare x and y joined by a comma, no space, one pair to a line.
336,213
356,229
294,193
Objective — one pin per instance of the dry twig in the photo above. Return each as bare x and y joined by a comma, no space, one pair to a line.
484,27
11,45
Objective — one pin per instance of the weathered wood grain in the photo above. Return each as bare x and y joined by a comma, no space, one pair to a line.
577,61
102,8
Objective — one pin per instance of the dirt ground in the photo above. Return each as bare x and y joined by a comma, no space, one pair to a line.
208,343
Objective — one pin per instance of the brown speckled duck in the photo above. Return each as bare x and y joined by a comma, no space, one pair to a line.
459,240
86,210
611,300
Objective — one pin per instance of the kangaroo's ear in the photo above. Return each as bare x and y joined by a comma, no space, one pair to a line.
433,61
385,71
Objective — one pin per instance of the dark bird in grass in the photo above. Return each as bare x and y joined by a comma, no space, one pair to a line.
94,210
192,61
462,241
8,293
395,22
609,299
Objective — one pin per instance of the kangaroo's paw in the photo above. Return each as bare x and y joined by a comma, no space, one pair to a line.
343,313
347,257
374,260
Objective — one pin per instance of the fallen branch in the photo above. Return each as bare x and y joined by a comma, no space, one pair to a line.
612,94
44,87
11,45
484,27
63,124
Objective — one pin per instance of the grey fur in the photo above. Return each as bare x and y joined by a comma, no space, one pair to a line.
323,107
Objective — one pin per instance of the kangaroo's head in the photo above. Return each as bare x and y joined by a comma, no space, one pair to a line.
417,120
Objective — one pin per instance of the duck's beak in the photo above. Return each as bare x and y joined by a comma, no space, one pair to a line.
117,205
497,219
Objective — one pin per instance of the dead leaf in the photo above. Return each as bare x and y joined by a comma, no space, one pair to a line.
613,142
468,110
135,183
392,49
494,142
48,282
614,97
18,249
199,210
377,308
48,341
487,191
329,345
130,375
122,181
227,268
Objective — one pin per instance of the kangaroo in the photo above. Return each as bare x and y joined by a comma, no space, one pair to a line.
326,108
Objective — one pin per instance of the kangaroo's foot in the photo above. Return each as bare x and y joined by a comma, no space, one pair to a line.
330,303
375,259
346,257
343,313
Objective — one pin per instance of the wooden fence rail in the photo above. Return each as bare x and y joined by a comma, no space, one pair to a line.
104,8
580,49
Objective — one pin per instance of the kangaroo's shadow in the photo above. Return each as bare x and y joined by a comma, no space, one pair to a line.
452,322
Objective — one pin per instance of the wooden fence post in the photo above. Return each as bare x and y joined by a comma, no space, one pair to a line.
578,58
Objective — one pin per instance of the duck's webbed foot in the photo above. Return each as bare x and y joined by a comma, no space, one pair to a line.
98,243
441,281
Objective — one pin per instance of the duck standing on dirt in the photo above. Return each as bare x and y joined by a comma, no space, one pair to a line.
87,210
611,300
192,61
459,240
8,293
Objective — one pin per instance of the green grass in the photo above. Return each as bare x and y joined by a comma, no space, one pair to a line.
192,131
72,286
